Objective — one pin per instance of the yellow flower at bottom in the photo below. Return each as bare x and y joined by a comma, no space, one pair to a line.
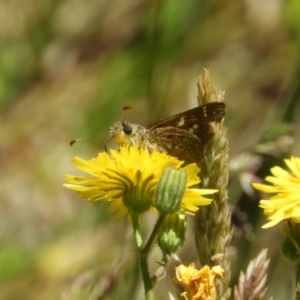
128,178
198,284
286,184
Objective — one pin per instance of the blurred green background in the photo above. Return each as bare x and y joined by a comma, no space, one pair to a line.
67,67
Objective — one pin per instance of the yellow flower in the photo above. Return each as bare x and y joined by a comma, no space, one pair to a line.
286,184
128,178
198,284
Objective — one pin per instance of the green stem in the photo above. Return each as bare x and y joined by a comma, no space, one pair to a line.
153,236
142,258
298,282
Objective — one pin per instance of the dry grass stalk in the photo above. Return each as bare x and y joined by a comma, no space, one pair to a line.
213,230
252,285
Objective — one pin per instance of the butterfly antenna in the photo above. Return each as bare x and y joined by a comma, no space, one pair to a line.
125,108
85,137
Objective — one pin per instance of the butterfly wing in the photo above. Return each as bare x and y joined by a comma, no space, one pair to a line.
179,143
207,113
195,121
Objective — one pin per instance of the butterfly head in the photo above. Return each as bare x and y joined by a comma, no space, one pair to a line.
127,133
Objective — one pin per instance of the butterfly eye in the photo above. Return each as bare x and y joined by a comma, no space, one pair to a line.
127,129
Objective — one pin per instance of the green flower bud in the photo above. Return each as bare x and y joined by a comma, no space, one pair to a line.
172,234
170,190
